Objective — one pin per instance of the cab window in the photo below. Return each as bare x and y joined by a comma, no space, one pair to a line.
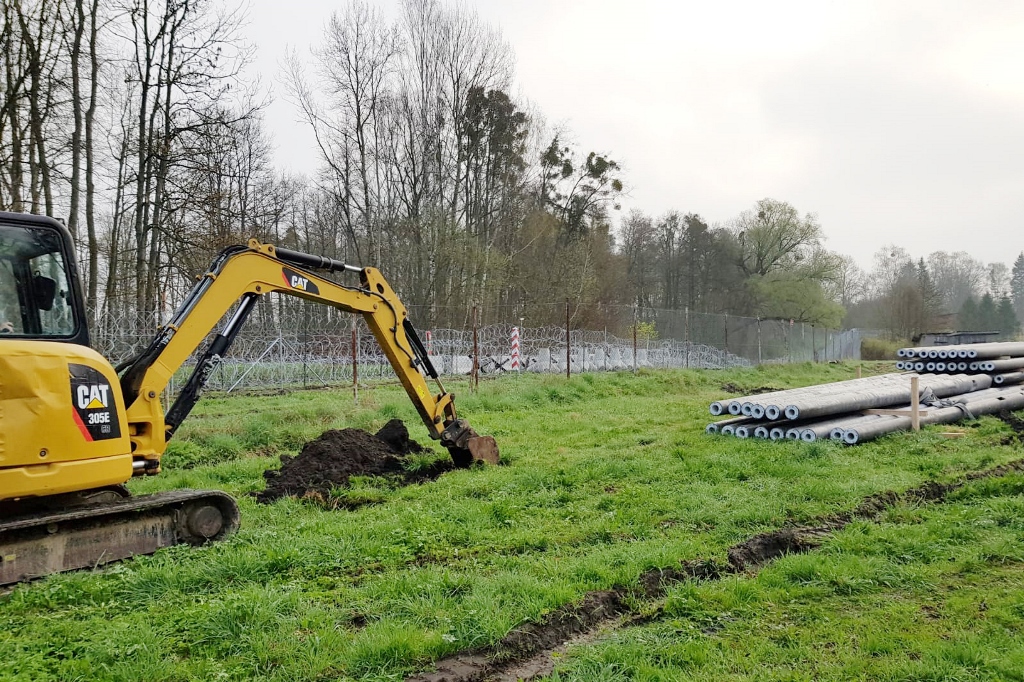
34,292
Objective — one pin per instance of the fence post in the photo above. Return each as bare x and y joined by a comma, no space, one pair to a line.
759,341
727,334
475,375
636,323
568,343
305,340
514,354
686,334
355,362
522,320
789,343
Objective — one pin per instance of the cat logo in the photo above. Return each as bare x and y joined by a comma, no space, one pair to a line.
93,396
93,404
299,282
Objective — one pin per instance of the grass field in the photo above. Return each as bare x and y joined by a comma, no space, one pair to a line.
607,476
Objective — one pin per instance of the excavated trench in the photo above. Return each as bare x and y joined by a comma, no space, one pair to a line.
330,461
529,651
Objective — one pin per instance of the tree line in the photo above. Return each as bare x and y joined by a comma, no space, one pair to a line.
943,291
139,122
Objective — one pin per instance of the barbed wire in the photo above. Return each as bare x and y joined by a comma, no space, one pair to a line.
303,345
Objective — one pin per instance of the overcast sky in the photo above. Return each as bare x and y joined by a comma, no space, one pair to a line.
895,122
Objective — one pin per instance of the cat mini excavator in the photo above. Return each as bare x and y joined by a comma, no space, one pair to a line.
74,430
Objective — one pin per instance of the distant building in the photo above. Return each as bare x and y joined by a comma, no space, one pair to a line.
954,338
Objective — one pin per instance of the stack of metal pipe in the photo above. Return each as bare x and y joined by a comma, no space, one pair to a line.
842,411
1003,361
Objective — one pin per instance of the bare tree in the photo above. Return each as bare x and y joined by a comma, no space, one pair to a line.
957,277
186,55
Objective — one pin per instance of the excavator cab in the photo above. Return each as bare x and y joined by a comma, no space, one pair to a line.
63,423
40,294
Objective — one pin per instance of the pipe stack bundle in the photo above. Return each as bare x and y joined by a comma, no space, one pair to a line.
1003,361
842,410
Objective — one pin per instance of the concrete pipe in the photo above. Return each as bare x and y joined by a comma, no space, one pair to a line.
884,395
985,402
1008,379
734,406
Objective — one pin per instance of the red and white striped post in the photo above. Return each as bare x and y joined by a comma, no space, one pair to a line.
515,348
430,343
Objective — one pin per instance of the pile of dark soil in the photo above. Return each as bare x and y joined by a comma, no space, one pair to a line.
739,390
332,459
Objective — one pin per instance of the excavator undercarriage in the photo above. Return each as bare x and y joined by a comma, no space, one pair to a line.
111,527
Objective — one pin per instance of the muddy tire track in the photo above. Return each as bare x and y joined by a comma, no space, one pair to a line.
1015,423
529,651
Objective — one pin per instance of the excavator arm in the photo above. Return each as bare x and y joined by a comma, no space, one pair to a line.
241,274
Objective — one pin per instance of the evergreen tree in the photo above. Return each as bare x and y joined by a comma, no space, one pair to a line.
1017,286
988,314
967,319
930,295
1009,324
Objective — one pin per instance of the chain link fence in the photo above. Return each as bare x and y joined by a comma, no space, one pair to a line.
289,343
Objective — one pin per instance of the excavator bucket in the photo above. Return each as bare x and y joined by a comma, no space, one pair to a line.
467,447
484,449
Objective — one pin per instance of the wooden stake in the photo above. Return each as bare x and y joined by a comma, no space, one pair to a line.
915,403
858,371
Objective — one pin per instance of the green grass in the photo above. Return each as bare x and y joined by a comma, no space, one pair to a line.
608,475
932,593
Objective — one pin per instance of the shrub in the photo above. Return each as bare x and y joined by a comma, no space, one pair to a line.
879,349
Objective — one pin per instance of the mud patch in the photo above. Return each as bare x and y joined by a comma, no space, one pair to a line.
513,658
529,652
560,625
336,456
767,547
1015,423
739,390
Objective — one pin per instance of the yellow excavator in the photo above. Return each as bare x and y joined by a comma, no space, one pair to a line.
74,430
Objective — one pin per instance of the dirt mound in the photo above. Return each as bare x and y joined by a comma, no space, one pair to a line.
396,436
337,455
739,390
